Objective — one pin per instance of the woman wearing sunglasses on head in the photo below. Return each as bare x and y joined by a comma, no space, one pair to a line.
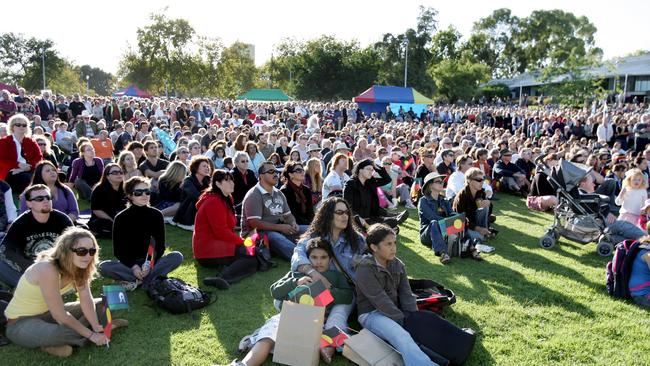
134,229
19,154
37,315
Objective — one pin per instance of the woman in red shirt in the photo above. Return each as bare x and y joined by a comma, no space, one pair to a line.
214,242
17,169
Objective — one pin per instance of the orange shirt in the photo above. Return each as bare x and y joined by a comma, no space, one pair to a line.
103,149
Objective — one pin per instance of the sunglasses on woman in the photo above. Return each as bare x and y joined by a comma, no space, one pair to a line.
83,251
341,212
140,192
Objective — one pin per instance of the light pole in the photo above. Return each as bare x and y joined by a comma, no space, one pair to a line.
87,84
405,43
43,58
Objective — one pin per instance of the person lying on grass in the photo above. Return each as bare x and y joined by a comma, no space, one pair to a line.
262,340
37,315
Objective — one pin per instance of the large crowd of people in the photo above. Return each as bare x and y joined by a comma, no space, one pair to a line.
323,183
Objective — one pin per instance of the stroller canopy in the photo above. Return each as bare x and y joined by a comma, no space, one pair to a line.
569,175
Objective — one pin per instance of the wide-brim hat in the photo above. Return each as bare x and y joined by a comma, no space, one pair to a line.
86,114
429,178
313,147
341,146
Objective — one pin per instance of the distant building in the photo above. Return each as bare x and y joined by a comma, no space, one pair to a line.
630,74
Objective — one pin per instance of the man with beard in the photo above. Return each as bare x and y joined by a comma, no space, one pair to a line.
32,232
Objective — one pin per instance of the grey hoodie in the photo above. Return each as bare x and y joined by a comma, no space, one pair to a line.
384,289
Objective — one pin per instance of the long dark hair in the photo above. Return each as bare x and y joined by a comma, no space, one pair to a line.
220,175
103,181
322,224
37,178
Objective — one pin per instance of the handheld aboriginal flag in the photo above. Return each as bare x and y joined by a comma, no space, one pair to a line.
250,244
333,337
315,294
151,253
452,224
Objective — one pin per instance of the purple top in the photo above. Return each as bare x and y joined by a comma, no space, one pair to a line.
66,204
78,165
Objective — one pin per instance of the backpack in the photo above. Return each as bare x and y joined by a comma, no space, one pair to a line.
431,295
178,297
619,269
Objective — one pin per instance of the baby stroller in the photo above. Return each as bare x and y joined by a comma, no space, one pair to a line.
577,217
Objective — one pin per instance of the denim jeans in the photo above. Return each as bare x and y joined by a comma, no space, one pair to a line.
621,230
338,316
8,275
393,333
281,245
116,270
482,220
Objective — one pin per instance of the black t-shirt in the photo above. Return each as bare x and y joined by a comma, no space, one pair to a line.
160,165
76,108
445,169
91,174
105,198
27,237
421,173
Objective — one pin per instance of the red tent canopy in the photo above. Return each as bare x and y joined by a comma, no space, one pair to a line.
12,89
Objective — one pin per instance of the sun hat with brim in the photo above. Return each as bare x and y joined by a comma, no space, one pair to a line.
86,114
341,146
313,147
429,179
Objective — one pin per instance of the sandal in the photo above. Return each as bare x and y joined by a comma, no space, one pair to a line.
445,258
476,255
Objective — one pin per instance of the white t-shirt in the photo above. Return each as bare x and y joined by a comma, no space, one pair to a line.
332,180
456,183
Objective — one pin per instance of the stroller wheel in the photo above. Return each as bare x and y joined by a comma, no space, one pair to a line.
547,241
605,248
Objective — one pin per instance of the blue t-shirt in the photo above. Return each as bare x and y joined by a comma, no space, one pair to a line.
640,276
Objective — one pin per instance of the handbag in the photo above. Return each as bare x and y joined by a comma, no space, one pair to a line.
383,201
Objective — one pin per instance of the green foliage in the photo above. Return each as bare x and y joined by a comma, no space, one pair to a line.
391,53
495,91
457,79
103,83
323,68
544,38
67,81
569,84
237,69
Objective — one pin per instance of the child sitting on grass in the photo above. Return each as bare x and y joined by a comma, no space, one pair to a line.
263,340
384,296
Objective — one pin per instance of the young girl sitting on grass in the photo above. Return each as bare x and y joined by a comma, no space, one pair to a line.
263,340
633,196
384,296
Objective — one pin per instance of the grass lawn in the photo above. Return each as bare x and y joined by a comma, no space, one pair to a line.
531,306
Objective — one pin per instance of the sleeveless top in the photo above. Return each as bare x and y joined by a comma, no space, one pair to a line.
640,275
28,299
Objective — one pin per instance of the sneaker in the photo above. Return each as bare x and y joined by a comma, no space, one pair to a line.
484,248
402,217
445,258
59,351
217,282
169,220
234,362
184,227
326,354
130,286
245,344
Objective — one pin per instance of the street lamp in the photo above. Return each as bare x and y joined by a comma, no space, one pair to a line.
43,58
87,84
405,43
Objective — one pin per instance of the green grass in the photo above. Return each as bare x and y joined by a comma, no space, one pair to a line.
531,306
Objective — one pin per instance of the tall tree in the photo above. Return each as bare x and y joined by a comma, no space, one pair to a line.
98,80
21,60
236,70
392,51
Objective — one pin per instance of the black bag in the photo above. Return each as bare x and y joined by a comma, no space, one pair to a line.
441,336
461,248
178,297
263,254
431,295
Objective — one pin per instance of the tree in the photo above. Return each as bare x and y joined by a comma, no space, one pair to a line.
545,38
100,81
391,52
21,60
446,44
236,71
569,84
67,81
458,80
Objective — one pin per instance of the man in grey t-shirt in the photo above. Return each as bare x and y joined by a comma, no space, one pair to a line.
265,209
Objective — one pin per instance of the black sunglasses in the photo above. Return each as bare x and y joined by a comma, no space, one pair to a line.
480,180
299,170
116,172
140,192
271,171
341,212
83,251
46,197
20,125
